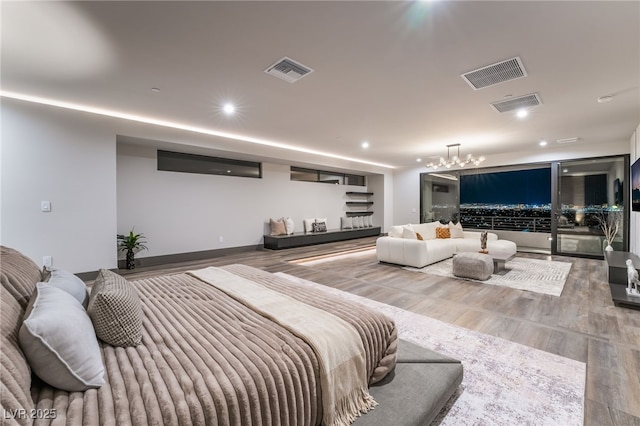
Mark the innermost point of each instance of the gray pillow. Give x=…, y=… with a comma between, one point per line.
x=70, y=283
x=115, y=309
x=59, y=342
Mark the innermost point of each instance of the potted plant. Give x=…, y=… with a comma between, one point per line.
x=610, y=223
x=131, y=243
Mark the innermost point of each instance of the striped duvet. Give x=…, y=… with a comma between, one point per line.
x=205, y=359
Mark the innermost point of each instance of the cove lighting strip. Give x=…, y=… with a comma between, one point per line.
x=178, y=126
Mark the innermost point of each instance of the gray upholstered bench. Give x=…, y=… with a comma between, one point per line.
x=416, y=391
x=477, y=266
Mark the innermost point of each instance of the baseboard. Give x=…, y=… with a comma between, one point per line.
x=143, y=262
x=167, y=259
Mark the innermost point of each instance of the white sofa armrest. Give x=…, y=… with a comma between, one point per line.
x=402, y=251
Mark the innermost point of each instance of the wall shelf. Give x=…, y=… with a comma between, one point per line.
x=359, y=193
x=359, y=202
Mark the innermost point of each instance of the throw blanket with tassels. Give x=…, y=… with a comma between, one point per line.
x=336, y=343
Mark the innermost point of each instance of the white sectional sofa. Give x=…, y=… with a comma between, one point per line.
x=402, y=245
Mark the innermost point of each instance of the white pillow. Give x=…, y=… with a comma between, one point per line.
x=456, y=230
x=289, y=225
x=322, y=219
x=346, y=223
x=59, y=342
x=395, y=232
x=370, y=221
x=71, y=284
x=408, y=233
x=308, y=224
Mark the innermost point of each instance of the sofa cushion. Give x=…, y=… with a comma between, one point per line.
x=115, y=309
x=59, y=341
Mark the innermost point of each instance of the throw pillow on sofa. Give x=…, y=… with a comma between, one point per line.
x=427, y=230
x=289, y=225
x=319, y=227
x=395, y=232
x=277, y=227
x=59, y=342
x=409, y=233
x=456, y=230
x=346, y=223
x=443, y=232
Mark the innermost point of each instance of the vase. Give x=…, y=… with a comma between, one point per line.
x=130, y=260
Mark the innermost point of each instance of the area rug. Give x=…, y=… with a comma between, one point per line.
x=504, y=383
x=522, y=273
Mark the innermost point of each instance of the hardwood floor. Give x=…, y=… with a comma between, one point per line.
x=581, y=324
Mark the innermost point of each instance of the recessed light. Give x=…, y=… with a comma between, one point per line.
x=522, y=113
x=543, y=142
x=229, y=109
x=418, y=160
x=155, y=89
x=365, y=145
x=565, y=170
x=604, y=99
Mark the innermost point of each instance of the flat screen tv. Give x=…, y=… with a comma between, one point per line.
x=635, y=186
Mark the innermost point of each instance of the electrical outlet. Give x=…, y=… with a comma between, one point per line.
x=47, y=261
x=221, y=239
x=45, y=206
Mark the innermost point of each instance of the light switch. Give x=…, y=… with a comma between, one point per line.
x=45, y=206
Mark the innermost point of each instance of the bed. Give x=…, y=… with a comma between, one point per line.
x=205, y=357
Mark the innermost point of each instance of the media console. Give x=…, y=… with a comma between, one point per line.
x=617, y=272
x=299, y=239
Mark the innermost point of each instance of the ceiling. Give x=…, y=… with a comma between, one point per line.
x=383, y=72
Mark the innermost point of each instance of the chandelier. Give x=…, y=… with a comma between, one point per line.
x=455, y=160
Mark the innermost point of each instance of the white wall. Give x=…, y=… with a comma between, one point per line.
x=68, y=159
x=634, y=225
x=185, y=212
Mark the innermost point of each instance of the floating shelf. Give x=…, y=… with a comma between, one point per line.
x=359, y=193
x=361, y=204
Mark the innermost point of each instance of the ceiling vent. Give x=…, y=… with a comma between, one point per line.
x=512, y=104
x=288, y=70
x=511, y=69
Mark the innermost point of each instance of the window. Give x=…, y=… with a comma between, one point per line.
x=202, y=164
x=311, y=175
x=517, y=200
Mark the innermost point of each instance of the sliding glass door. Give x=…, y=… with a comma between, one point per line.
x=590, y=192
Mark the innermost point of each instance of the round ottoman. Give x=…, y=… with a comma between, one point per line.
x=477, y=266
